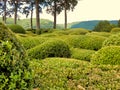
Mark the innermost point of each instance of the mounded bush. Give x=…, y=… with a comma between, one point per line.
x=112, y=40
x=30, y=42
x=52, y=48
x=107, y=55
x=78, y=31
x=71, y=74
x=104, y=34
x=91, y=42
x=81, y=54
x=14, y=67
x=115, y=30
x=16, y=28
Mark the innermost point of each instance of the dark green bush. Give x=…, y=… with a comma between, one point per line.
x=112, y=40
x=104, y=26
x=52, y=48
x=81, y=54
x=115, y=30
x=16, y=28
x=92, y=42
x=14, y=67
x=107, y=55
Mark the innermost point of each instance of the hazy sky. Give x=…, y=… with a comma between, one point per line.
x=90, y=10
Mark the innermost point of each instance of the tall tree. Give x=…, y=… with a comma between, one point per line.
x=29, y=10
x=68, y=5
x=119, y=23
x=16, y=7
x=55, y=9
x=37, y=16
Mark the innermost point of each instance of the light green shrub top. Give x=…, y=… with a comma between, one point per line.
x=91, y=42
x=16, y=28
x=115, y=30
x=107, y=55
x=112, y=40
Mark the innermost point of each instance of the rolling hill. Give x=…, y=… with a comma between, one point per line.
x=89, y=24
x=45, y=23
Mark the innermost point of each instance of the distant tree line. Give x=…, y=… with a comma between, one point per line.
x=105, y=26
x=54, y=7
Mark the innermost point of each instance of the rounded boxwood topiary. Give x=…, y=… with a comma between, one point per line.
x=81, y=54
x=52, y=48
x=16, y=28
x=91, y=42
x=112, y=40
x=14, y=67
x=115, y=30
x=107, y=55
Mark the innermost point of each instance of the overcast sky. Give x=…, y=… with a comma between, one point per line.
x=90, y=10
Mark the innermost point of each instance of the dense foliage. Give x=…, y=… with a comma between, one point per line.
x=81, y=54
x=16, y=28
x=91, y=42
x=115, y=30
x=30, y=42
x=112, y=40
x=103, y=26
x=107, y=55
x=71, y=74
x=52, y=48
x=14, y=67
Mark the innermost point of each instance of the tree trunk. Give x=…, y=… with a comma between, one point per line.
x=65, y=16
x=15, y=15
x=4, y=17
x=37, y=17
x=55, y=18
x=31, y=22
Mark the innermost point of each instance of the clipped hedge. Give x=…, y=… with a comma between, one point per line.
x=30, y=42
x=52, y=48
x=112, y=40
x=91, y=42
x=71, y=74
x=107, y=55
x=81, y=54
x=104, y=34
x=78, y=31
x=14, y=67
x=16, y=28
x=115, y=30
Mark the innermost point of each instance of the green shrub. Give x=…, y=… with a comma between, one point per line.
x=77, y=31
x=52, y=48
x=15, y=72
x=85, y=42
x=104, y=34
x=115, y=30
x=70, y=74
x=112, y=40
x=16, y=28
x=81, y=54
x=107, y=55
x=30, y=42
